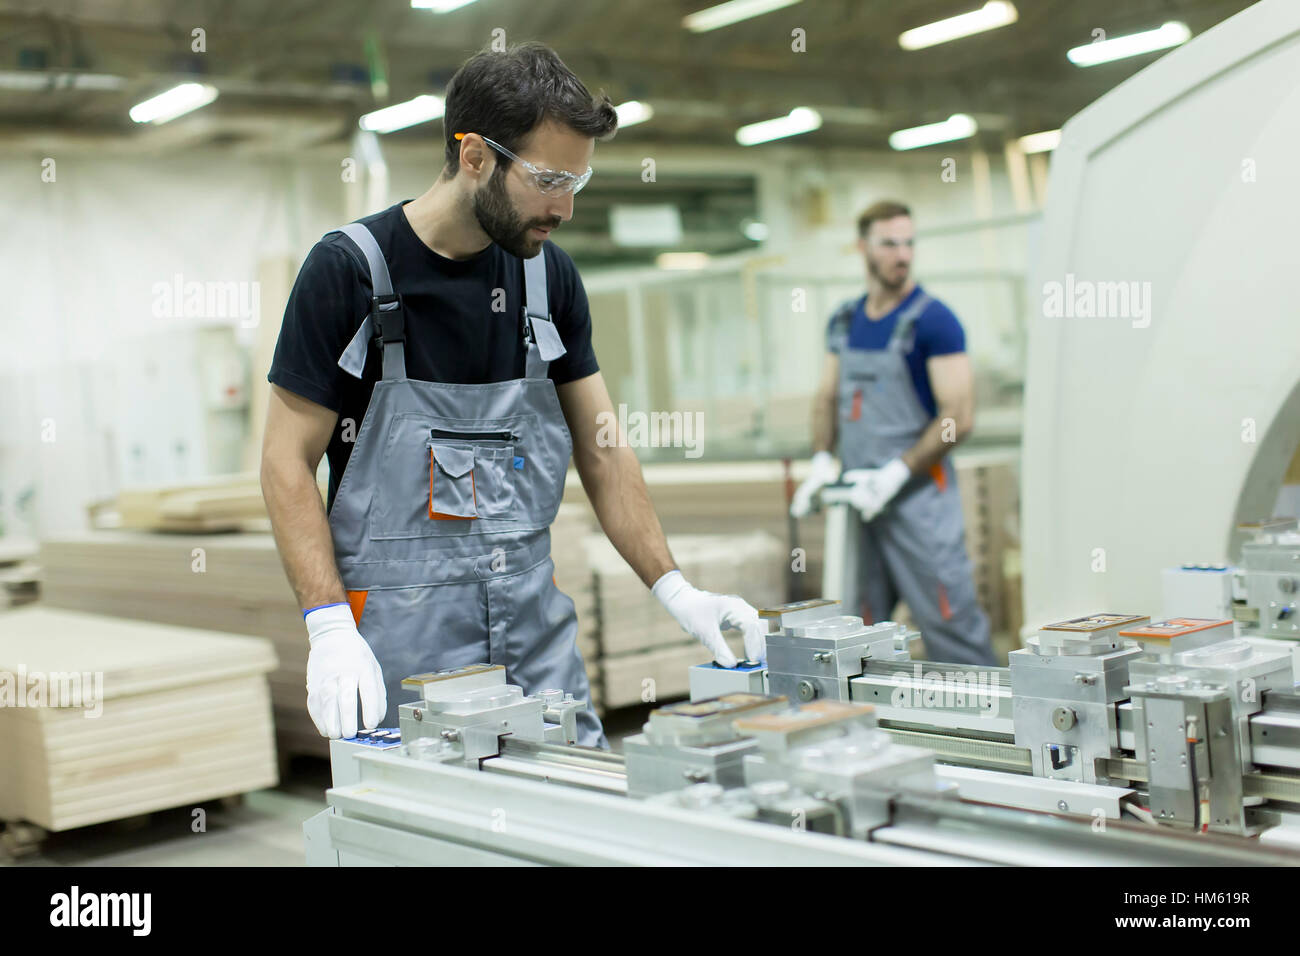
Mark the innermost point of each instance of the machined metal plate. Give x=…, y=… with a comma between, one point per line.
x=736, y=703
x=1094, y=623
x=819, y=713
x=418, y=681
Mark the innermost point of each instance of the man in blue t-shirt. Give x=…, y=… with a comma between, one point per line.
x=897, y=394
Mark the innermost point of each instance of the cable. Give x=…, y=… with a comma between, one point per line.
x=1142, y=813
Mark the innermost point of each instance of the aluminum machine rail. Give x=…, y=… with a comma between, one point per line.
x=1109, y=740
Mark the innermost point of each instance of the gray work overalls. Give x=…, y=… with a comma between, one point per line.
x=441, y=522
x=916, y=547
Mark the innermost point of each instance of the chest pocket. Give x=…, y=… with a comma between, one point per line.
x=444, y=477
x=471, y=475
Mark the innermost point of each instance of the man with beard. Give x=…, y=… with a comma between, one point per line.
x=897, y=395
x=439, y=353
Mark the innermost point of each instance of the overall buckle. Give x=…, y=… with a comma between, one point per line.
x=388, y=318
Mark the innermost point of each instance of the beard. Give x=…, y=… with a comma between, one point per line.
x=498, y=217
x=888, y=281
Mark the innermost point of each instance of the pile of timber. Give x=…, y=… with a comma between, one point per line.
x=102, y=718
x=229, y=582
x=223, y=503
x=20, y=575
x=643, y=652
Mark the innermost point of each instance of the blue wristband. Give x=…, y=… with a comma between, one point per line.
x=319, y=606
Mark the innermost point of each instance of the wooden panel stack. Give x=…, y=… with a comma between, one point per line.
x=990, y=492
x=224, y=503
x=639, y=641
x=231, y=582
x=19, y=573
x=103, y=718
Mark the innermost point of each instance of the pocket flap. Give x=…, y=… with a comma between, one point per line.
x=454, y=461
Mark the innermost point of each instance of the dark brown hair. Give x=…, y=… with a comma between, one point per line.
x=884, y=209
x=506, y=95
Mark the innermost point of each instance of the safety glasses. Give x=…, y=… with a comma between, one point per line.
x=549, y=182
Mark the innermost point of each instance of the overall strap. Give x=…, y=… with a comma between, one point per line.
x=386, y=322
x=902, y=337
x=837, y=333
x=541, y=338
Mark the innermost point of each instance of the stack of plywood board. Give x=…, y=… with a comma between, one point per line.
x=231, y=582
x=990, y=492
x=643, y=650
x=19, y=574
x=103, y=718
x=224, y=503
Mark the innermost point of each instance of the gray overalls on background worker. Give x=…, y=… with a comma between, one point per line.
x=442, y=519
x=905, y=536
x=916, y=547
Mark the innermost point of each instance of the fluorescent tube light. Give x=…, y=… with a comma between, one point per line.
x=801, y=119
x=177, y=101
x=439, y=6
x=1103, y=51
x=422, y=109
x=994, y=14
x=957, y=126
x=633, y=112
x=725, y=14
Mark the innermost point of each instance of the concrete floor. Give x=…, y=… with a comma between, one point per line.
x=264, y=828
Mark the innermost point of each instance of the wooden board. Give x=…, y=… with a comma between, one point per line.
x=222, y=503
x=632, y=619
x=176, y=716
x=231, y=582
x=663, y=673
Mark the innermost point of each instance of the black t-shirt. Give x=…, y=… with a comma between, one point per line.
x=453, y=333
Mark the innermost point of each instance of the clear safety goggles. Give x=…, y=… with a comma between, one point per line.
x=893, y=243
x=549, y=182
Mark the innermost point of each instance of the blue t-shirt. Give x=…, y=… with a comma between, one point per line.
x=937, y=333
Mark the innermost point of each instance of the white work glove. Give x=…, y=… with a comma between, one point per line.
x=824, y=471
x=341, y=666
x=873, y=488
x=703, y=614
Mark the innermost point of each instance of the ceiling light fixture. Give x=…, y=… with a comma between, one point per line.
x=725, y=14
x=957, y=126
x=994, y=14
x=801, y=119
x=1169, y=34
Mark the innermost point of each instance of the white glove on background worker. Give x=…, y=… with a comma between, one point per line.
x=341, y=665
x=873, y=488
x=824, y=471
x=703, y=614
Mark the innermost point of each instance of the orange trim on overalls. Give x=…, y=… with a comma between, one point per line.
x=855, y=413
x=945, y=610
x=939, y=475
x=357, y=601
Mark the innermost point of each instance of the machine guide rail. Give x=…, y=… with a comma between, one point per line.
x=842, y=749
